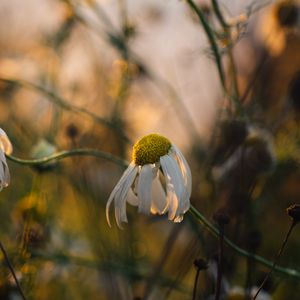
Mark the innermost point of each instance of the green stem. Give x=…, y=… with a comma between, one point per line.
x=211, y=39
x=257, y=258
x=64, y=154
x=218, y=13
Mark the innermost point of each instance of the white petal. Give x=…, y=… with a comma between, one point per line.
x=116, y=189
x=144, y=189
x=185, y=170
x=159, y=202
x=121, y=195
x=4, y=171
x=171, y=168
x=178, y=218
x=132, y=199
x=172, y=201
x=5, y=142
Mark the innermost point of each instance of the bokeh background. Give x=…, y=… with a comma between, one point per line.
x=101, y=74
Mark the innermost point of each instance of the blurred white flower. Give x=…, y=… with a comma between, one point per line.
x=154, y=158
x=5, y=148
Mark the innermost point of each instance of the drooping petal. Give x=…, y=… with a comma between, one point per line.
x=144, y=188
x=116, y=189
x=159, y=204
x=132, y=199
x=174, y=184
x=4, y=171
x=187, y=177
x=121, y=195
x=171, y=168
x=5, y=143
x=172, y=202
x=178, y=218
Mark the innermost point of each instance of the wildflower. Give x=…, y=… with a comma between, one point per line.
x=5, y=148
x=153, y=157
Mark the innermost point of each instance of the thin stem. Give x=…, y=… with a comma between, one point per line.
x=196, y=284
x=211, y=39
x=276, y=258
x=248, y=282
x=213, y=230
x=218, y=13
x=233, y=71
x=220, y=262
x=12, y=271
x=64, y=154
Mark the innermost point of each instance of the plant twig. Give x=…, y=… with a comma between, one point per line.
x=12, y=271
x=276, y=259
x=257, y=258
x=211, y=38
x=64, y=154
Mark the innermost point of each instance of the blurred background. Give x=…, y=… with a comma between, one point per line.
x=101, y=74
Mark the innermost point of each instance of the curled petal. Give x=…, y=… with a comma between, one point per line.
x=121, y=195
x=117, y=188
x=4, y=172
x=5, y=143
x=172, y=171
x=186, y=174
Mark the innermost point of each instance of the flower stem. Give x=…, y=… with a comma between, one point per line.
x=257, y=258
x=220, y=261
x=64, y=154
x=218, y=13
x=211, y=39
x=276, y=258
x=11, y=268
x=196, y=284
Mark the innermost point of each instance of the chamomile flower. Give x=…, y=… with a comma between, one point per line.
x=154, y=158
x=5, y=148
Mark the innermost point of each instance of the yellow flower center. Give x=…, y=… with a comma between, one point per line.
x=150, y=148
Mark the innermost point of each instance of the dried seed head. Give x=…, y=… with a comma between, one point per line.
x=232, y=134
x=294, y=212
x=200, y=264
x=287, y=14
x=72, y=131
x=259, y=153
x=221, y=217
